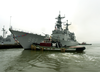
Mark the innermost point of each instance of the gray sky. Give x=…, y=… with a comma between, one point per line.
x=39, y=16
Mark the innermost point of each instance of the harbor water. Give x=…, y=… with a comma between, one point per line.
x=20, y=60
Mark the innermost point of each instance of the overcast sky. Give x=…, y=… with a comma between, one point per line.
x=39, y=16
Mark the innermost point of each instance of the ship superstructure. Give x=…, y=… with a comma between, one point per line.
x=63, y=35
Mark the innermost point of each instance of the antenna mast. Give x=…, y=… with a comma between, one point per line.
x=10, y=21
x=59, y=22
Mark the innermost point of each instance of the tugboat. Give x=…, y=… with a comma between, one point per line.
x=55, y=45
x=60, y=39
x=84, y=43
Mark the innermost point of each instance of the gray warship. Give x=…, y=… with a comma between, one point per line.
x=64, y=36
x=6, y=40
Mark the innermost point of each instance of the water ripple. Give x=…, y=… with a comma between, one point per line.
x=38, y=61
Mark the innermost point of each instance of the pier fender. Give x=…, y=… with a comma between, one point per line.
x=41, y=48
x=62, y=49
x=53, y=48
x=32, y=47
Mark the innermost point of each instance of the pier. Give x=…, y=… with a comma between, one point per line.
x=8, y=46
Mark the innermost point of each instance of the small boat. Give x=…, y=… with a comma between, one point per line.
x=84, y=43
x=54, y=45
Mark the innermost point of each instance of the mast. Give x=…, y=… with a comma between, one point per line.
x=10, y=21
x=59, y=22
x=67, y=25
x=4, y=32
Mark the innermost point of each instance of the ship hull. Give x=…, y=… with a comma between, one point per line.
x=74, y=49
x=27, y=39
x=62, y=49
x=7, y=43
x=69, y=43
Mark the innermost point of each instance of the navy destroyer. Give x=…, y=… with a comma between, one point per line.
x=6, y=40
x=64, y=36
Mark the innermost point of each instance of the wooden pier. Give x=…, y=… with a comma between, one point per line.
x=8, y=46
